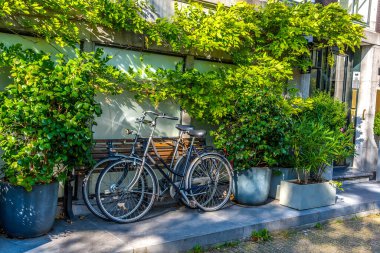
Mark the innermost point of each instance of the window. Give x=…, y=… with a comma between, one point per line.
x=362, y=7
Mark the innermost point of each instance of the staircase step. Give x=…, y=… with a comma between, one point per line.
x=349, y=175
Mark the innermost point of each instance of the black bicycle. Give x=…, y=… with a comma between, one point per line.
x=126, y=190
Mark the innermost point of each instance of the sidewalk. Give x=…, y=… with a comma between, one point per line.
x=179, y=229
x=355, y=235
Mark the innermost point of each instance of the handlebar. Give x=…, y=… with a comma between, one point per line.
x=167, y=117
x=153, y=122
x=151, y=112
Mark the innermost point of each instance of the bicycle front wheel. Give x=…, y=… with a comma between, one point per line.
x=120, y=202
x=89, y=183
x=209, y=181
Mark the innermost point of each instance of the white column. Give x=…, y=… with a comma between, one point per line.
x=365, y=146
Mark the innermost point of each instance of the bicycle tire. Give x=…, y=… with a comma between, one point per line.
x=180, y=169
x=209, y=181
x=89, y=184
x=118, y=204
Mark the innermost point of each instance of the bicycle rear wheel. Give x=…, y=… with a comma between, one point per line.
x=209, y=181
x=89, y=184
x=180, y=169
x=114, y=198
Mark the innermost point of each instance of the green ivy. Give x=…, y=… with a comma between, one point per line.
x=244, y=31
x=62, y=21
x=211, y=95
x=247, y=32
x=46, y=113
x=265, y=45
x=376, y=126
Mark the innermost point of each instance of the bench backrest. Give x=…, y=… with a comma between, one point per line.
x=164, y=146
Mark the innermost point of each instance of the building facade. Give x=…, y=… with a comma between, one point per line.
x=354, y=79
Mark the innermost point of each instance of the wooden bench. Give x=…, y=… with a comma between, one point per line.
x=164, y=146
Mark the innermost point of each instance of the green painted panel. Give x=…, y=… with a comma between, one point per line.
x=120, y=112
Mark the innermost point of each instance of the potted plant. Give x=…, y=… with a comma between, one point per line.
x=318, y=137
x=46, y=115
x=254, y=138
x=280, y=174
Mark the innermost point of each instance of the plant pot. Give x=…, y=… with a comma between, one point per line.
x=307, y=196
x=278, y=175
x=252, y=186
x=26, y=214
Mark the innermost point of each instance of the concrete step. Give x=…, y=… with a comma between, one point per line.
x=349, y=175
x=170, y=230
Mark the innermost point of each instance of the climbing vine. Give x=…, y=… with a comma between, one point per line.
x=46, y=113
x=264, y=45
x=63, y=21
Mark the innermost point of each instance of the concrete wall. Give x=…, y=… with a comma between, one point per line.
x=120, y=112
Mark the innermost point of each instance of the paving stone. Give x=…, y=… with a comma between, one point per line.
x=353, y=235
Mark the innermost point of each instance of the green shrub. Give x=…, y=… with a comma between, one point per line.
x=254, y=135
x=46, y=113
x=319, y=135
x=376, y=125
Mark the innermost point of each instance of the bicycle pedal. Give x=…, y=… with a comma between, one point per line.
x=192, y=204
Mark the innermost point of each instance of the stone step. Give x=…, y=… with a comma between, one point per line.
x=349, y=175
x=171, y=230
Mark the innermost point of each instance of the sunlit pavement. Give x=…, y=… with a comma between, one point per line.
x=177, y=229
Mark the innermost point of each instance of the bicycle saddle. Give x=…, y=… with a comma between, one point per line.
x=184, y=127
x=197, y=133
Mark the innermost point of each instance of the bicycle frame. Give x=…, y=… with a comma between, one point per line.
x=150, y=143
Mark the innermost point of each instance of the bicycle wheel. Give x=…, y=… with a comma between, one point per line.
x=89, y=184
x=209, y=181
x=114, y=198
x=180, y=169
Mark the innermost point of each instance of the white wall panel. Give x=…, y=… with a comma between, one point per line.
x=120, y=111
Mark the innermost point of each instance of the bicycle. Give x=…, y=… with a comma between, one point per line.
x=88, y=189
x=205, y=181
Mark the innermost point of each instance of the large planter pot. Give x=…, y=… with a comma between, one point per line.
x=26, y=214
x=307, y=196
x=278, y=175
x=252, y=186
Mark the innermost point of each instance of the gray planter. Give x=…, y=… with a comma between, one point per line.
x=252, y=186
x=278, y=175
x=307, y=196
x=26, y=214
